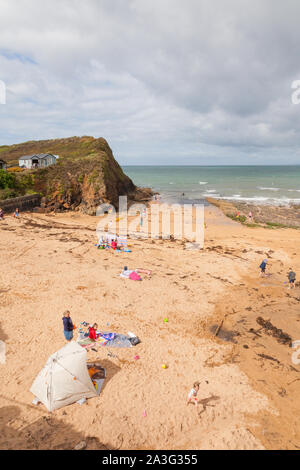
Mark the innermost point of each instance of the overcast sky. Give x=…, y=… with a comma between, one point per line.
x=164, y=81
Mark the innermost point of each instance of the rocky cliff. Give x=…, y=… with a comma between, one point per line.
x=85, y=176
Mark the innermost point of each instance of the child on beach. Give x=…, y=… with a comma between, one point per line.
x=263, y=267
x=292, y=278
x=192, y=396
x=16, y=213
x=93, y=332
x=114, y=244
x=68, y=326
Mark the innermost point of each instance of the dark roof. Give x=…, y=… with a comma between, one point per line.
x=39, y=156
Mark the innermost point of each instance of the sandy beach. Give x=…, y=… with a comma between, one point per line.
x=249, y=385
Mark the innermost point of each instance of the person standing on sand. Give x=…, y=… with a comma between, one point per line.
x=68, y=326
x=263, y=267
x=292, y=278
x=1, y=214
x=192, y=396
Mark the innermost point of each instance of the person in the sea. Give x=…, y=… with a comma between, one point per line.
x=93, y=332
x=68, y=326
x=292, y=278
x=192, y=396
x=263, y=267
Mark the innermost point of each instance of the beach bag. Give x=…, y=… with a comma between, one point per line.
x=134, y=276
x=134, y=341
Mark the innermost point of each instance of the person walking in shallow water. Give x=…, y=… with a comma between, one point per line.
x=68, y=326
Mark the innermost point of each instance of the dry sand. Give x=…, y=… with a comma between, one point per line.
x=249, y=384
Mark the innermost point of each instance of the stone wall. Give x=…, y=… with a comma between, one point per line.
x=24, y=203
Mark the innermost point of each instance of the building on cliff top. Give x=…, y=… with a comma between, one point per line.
x=38, y=161
x=3, y=165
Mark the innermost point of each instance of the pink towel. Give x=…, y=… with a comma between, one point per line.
x=134, y=276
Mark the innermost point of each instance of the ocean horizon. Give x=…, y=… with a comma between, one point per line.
x=257, y=184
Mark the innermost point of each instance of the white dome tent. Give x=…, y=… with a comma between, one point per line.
x=64, y=379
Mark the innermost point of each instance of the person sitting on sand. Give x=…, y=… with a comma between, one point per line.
x=192, y=396
x=292, y=278
x=68, y=326
x=1, y=214
x=93, y=332
x=263, y=267
x=101, y=244
x=16, y=213
x=114, y=244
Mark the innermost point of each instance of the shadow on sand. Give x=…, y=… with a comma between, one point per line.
x=45, y=433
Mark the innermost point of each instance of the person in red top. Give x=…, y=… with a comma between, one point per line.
x=114, y=245
x=93, y=334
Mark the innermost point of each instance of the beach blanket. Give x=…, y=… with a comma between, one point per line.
x=108, y=339
x=119, y=341
x=87, y=343
x=117, y=250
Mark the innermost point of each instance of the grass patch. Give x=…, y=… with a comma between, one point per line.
x=278, y=225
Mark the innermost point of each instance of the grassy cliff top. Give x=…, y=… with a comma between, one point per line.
x=68, y=148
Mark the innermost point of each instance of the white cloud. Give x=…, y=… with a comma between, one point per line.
x=162, y=81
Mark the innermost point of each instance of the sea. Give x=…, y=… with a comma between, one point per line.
x=273, y=185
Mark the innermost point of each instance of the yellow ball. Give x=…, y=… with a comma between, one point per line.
x=164, y=366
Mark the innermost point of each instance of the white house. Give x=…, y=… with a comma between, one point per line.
x=38, y=161
x=3, y=165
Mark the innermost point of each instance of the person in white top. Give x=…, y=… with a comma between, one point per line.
x=192, y=396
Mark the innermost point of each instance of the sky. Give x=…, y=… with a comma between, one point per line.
x=201, y=82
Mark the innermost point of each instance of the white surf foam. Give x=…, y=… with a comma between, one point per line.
x=215, y=195
x=284, y=201
x=262, y=188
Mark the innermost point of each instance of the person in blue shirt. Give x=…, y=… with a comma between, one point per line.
x=68, y=326
x=292, y=278
x=263, y=267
